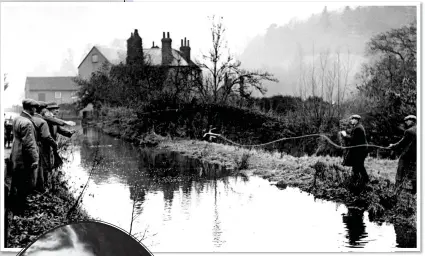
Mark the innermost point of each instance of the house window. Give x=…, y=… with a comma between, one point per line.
x=94, y=58
x=42, y=97
x=74, y=95
x=58, y=95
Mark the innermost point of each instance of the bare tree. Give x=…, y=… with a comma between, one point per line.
x=134, y=214
x=140, y=236
x=182, y=81
x=224, y=75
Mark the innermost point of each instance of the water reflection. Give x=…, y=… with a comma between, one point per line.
x=356, y=228
x=406, y=236
x=217, y=223
x=179, y=197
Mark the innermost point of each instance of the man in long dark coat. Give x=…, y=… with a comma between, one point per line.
x=406, y=168
x=24, y=156
x=55, y=127
x=45, y=142
x=357, y=155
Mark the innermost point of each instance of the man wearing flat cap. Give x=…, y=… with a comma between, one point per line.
x=56, y=127
x=50, y=118
x=357, y=155
x=406, y=168
x=44, y=142
x=24, y=156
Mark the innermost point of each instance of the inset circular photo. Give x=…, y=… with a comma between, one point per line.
x=87, y=238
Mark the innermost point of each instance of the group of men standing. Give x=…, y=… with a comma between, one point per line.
x=33, y=150
x=356, y=156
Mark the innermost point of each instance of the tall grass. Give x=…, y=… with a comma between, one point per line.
x=242, y=162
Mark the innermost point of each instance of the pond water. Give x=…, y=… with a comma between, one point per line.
x=207, y=210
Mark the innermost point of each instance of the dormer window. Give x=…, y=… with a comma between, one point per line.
x=94, y=58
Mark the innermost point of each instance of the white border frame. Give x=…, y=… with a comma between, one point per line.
x=365, y=3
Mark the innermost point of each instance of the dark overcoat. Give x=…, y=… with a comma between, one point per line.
x=45, y=142
x=407, y=145
x=24, y=149
x=407, y=162
x=24, y=154
x=55, y=127
x=357, y=154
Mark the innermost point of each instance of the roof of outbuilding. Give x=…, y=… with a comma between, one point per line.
x=57, y=83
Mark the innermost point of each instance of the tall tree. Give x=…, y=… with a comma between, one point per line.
x=388, y=82
x=224, y=75
x=325, y=19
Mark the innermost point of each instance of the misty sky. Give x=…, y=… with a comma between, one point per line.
x=36, y=37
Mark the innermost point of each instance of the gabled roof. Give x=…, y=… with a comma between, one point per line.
x=57, y=83
x=112, y=55
x=152, y=55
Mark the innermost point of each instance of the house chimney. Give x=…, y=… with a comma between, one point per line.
x=167, y=56
x=130, y=49
x=138, y=47
x=185, y=50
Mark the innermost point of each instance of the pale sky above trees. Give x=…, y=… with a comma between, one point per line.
x=38, y=39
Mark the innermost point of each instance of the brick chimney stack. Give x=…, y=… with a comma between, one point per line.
x=134, y=48
x=166, y=50
x=185, y=49
x=130, y=48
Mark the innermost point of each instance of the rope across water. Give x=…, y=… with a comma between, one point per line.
x=296, y=137
x=288, y=138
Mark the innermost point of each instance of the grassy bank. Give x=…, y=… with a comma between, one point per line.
x=44, y=212
x=322, y=176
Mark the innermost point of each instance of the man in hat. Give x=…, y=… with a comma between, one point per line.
x=50, y=118
x=357, y=155
x=45, y=142
x=406, y=168
x=56, y=126
x=24, y=156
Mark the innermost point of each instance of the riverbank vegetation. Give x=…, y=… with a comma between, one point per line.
x=183, y=101
x=44, y=212
x=174, y=107
x=322, y=176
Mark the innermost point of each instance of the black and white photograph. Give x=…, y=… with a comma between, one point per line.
x=212, y=126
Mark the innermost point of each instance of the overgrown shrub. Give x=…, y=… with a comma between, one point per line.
x=242, y=162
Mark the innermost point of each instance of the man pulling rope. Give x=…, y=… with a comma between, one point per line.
x=357, y=149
